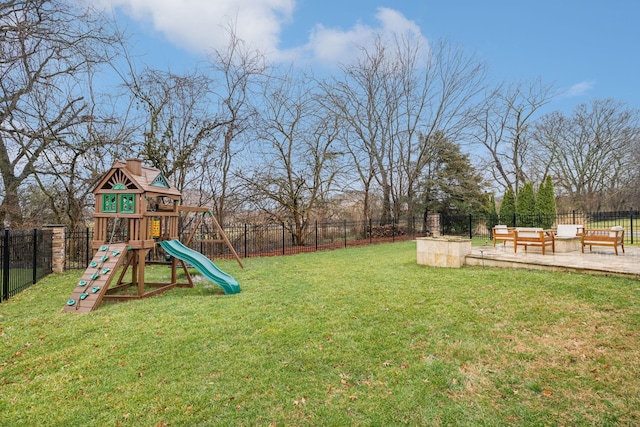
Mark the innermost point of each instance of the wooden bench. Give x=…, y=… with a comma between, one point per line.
x=502, y=233
x=613, y=236
x=533, y=237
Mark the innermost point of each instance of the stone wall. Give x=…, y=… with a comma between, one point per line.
x=442, y=252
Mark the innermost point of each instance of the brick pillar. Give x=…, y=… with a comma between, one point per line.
x=57, y=246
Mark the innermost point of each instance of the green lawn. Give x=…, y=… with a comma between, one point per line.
x=624, y=222
x=357, y=336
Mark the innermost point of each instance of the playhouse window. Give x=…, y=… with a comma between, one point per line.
x=127, y=203
x=109, y=203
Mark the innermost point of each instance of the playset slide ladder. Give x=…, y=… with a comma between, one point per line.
x=203, y=264
x=89, y=291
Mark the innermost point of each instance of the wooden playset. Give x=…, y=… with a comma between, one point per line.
x=136, y=209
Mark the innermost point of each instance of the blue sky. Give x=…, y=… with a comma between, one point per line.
x=587, y=49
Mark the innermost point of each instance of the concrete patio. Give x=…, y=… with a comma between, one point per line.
x=599, y=261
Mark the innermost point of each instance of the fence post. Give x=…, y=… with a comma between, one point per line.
x=34, y=253
x=413, y=226
x=283, y=238
x=245, y=239
x=470, y=226
x=631, y=223
x=345, y=232
x=87, y=247
x=5, y=267
x=490, y=224
x=316, y=235
x=393, y=229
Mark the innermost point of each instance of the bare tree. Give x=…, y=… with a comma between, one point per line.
x=592, y=153
x=67, y=172
x=391, y=97
x=237, y=71
x=66, y=175
x=436, y=103
x=178, y=123
x=367, y=100
x=48, y=47
x=504, y=123
x=298, y=161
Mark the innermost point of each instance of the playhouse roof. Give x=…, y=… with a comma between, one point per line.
x=136, y=178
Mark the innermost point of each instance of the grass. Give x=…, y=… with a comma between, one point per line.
x=358, y=336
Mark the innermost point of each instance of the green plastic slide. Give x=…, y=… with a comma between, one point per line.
x=203, y=264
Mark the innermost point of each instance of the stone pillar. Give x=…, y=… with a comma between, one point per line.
x=433, y=222
x=58, y=250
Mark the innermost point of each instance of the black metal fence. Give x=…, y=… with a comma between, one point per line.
x=479, y=226
x=252, y=240
x=272, y=239
x=78, y=252
x=25, y=258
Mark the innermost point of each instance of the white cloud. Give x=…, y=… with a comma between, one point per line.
x=394, y=22
x=578, y=89
x=332, y=46
x=201, y=25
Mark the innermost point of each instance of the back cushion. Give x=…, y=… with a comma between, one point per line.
x=568, y=230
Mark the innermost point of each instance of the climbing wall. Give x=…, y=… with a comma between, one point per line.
x=93, y=285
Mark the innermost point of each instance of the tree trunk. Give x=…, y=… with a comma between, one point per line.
x=10, y=211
